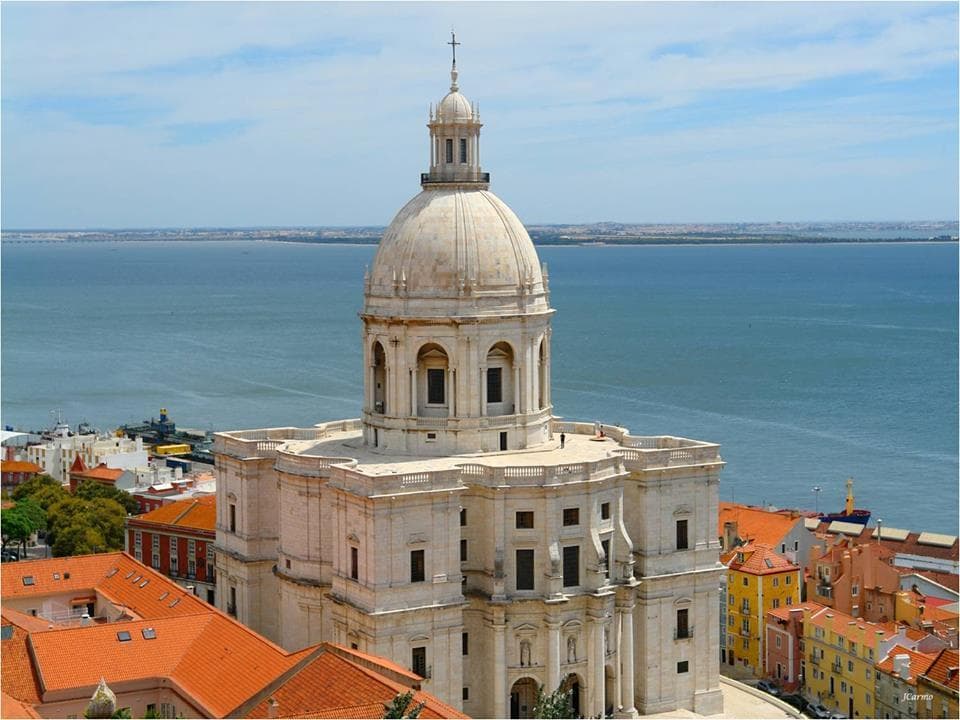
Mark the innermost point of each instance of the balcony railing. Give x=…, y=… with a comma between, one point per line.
x=231, y=610
x=837, y=667
x=683, y=633
x=425, y=179
x=815, y=659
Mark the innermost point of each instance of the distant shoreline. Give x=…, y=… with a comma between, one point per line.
x=539, y=242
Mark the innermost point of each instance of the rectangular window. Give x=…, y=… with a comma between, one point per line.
x=191, y=568
x=173, y=546
x=463, y=550
x=605, y=511
x=463, y=517
x=155, y=562
x=683, y=623
x=571, y=516
x=571, y=566
x=778, y=640
x=232, y=605
x=466, y=693
x=435, y=389
x=354, y=563
x=783, y=548
x=417, y=570
x=525, y=520
x=776, y=603
x=789, y=600
x=174, y=564
x=138, y=539
x=730, y=599
x=776, y=582
x=419, y=657
x=745, y=644
x=788, y=579
x=494, y=385
x=464, y=643
x=683, y=666
x=463, y=150
x=233, y=518
x=448, y=147
x=156, y=543
x=855, y=590
x=729, y=620
x=605, y=544
x=682, y=543
x=525, y=569
x=191, y=547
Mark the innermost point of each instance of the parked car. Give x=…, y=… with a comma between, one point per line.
x=9, y=556
x=794, y=700
x=768, y=686
x=817, y=710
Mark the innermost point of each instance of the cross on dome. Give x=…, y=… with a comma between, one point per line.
x=453, y=68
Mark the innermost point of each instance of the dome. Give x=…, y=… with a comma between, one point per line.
x=458, y=244
x=454, y=108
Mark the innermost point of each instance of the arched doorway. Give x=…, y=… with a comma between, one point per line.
x=523, y=697
x=572, y=683
x=431, y=393
x=379, y=379
x=500, y=390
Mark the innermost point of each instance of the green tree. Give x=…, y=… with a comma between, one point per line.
x=400, y=706
x=21, y=521
x=78, y=526
x=553, y=705
x=40, y=486
x=90, y=490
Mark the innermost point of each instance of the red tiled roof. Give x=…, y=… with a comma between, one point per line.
x=909, y=546
x=13, y=708
x=78, y=465
x=783, y=613
x=376, y=660
x=197, y=513
x=100, y=472
x=19, y=466
x=943, y=670
x=761, y=560
x=843, y=625
x=756, y=524
x=919, y=662
x=332, y=686
x=217, y=664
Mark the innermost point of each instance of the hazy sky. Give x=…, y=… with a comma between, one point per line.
x=186, y=114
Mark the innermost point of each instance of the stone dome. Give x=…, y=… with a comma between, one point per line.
x=455, y=250
x=454, y=108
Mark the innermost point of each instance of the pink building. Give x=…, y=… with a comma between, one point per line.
x=856, y=579
x=784, y=644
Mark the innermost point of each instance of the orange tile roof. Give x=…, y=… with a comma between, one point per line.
x=100, y=472
x=843, y=625
x=362, y=658
x=19, y=466
x=919, y=662
x=332, y=686
x=78, y=465
x=761, y=560
x=783, y=613
x=13, y=708
x=17, y=676
x=197, y=513
x=757, y=525
x=221, y=667
x=943, y=670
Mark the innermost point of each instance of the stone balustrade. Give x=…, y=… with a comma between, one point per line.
x=640, y=459
x=309, y=465
x=265, y=442
x=359, y=483
x=539, y=475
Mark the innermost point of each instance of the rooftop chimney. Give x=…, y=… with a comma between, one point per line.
x=85, y=619
x=273, y=708
x=901, y=666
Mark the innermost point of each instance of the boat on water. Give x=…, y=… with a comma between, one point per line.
x=850, y=514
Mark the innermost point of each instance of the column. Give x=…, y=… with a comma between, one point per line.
x=553, y=655
x=499, y=666
x=370, y=394
x=516, y=389
x=626, y=661
x=535, y=375
x=483, y=391
x=452, y=386
x=413, y=391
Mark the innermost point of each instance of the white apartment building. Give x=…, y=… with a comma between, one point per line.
x=57, y=455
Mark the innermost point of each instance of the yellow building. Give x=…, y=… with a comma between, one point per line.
x=758, y=579
x=841, y=652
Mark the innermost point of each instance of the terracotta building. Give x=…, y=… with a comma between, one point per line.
x=177, y=540
x=784, y=646
x=938, y=687
x=79, y=472
x=14, y=472
x=857, y=579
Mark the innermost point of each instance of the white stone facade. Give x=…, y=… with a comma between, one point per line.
x=458, y=528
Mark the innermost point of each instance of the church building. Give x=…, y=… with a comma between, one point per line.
x=458, y=527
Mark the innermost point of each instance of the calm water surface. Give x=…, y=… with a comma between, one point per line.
x=808, y=363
